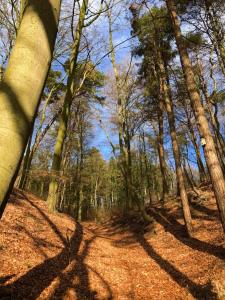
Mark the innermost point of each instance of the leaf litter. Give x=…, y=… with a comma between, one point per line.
x=47, y=255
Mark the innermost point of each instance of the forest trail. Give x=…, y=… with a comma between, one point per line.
x=49, y=256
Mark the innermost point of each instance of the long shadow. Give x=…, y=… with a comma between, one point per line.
x=46, y=218
x=52, y=225
x=79, y=272
x=178, y=231
x=6, y=278
x=104, y=282
x=197, y=216
x=205, y=210
x=40, y=243
x=35, y=281
x=31, y=284
x=198, y=291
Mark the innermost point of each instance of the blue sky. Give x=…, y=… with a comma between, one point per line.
x=121, y=33
x=122, y=30
x=97, y=34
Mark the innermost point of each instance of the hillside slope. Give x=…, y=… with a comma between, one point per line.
x=49, y=256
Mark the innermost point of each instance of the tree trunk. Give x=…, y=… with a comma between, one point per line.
x=217, y=34
x=120, y=113
x=218, y=138
x=28, y=159
x=202, y=172
x=24, y=172
x=147, y=168
x=124, y=139
x=161, y=150
x=95, y=191
x=21, y=89
x=212, y=160
x=61, y=135
x=176, y=150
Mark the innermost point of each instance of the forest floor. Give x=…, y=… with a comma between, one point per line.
x=49, y=256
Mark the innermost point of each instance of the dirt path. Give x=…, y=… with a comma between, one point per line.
x=116, y=260
x=132, y=266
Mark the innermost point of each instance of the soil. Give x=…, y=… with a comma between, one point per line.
x=49, y=256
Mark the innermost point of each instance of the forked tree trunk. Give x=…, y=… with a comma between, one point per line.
x=124, y=137
x=211, y=157
x=21, y=88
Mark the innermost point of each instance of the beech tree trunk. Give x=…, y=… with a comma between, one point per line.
x=211, y=157
x=21, y=88
x=124, y=139
x=61, y=135
x=23, y=177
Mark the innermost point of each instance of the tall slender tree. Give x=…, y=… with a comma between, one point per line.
x=212, y=160
x=70, y=93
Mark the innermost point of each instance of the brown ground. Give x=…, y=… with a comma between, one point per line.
x=48, y=256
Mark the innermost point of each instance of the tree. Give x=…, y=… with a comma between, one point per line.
x=52, y=93
x=212, y=160
x=74, y=84
x=123, y=96
x=158, y=52
x=21, y=89
x=70, y=92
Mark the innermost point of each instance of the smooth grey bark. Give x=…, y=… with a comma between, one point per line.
x=22, y=85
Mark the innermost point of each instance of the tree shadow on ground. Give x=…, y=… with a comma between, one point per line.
x=31, y=284
x=200, y=292
x=20, y=195
x=6, y=278
x=178, y=230
x=205, y=210
x=66, y=271
x=77, y=279
x=49, y=221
